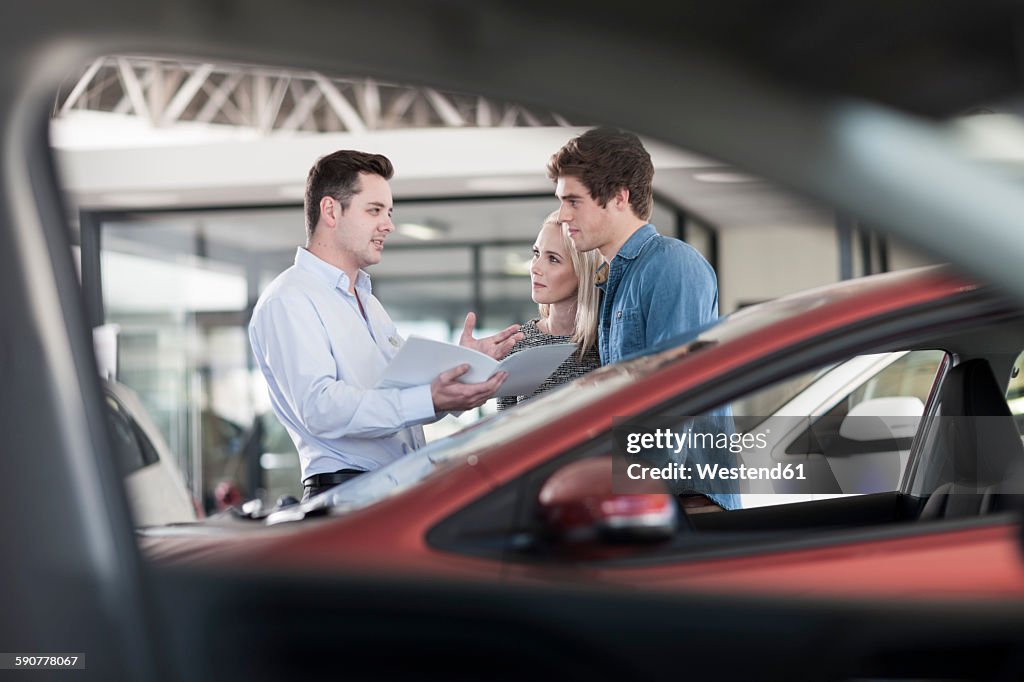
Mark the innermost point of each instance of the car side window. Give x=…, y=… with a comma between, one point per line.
x=910, y=377
x=768, y=401
x=851, y=426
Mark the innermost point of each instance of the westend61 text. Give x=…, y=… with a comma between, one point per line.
x=716, y=472
x=667, y=439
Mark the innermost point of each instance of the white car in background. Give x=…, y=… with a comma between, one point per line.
x=156, y=489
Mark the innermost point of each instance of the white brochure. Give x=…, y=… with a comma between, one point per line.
x=420, y=360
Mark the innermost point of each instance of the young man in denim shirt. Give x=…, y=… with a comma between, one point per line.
x=655, y=287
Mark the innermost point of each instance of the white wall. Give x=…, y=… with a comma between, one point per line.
x=764, y=262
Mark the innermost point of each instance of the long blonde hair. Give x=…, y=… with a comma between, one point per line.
x=585, y=265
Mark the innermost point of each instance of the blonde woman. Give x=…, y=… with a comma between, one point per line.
x=563, y=286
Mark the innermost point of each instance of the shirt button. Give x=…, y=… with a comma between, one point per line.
x=618, y=315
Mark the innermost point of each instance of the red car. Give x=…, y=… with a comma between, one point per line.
x=528, y=495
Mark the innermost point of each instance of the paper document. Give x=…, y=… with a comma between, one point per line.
x=420, y=360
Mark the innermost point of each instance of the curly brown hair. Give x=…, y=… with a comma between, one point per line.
x=337, y=175
x=606, y=160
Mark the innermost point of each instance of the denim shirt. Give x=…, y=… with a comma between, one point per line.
x=658, y=288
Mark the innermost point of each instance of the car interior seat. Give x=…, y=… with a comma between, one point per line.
x=981, y=454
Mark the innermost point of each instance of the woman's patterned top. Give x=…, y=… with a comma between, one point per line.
x=571, y=369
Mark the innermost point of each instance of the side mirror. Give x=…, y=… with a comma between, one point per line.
x=578, y=505
x=883, y=419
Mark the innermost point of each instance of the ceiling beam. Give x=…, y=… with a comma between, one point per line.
x=346, y=112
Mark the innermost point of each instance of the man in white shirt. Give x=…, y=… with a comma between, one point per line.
x=321, y=338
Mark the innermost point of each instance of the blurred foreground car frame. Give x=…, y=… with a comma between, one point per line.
x=72, y=577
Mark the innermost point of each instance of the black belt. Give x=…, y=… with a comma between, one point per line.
x=323, y=480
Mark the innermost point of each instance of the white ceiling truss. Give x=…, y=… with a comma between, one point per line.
x=165, y=92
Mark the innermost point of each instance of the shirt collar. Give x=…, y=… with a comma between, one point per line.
x=637, y=241
x=630, y=250
x=331, y=276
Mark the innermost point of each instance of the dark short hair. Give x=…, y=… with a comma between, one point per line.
x=337, y=175
x=605, y=160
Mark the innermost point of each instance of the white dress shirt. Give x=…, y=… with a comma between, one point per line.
x=321, y=359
